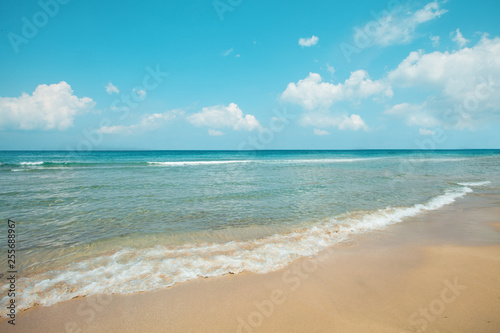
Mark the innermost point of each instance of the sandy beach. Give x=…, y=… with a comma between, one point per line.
x=438, y=272
x=249, y=166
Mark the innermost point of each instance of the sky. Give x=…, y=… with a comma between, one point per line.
x=239, y=74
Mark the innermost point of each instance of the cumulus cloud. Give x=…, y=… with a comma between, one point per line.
x=397, y=27
x=320, y=132
x=464, y=81
x=221, y=116
x=311, y=93
x=111, y=89
x=213, y=132
x=49, y=107
x=307, y=42
x=149, y=122
x=353, y=122
x=458, y=38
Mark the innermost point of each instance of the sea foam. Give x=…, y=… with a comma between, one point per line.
x=181, y=163
x=31, y=163
x=475, y=183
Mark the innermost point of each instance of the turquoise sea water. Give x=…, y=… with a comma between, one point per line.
x=120, y=222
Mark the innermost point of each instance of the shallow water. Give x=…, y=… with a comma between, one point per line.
x=119, y=222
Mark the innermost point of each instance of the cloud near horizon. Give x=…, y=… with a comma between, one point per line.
x=354, y=122
x=312, y=93
x=213, y=132
x=320, y=132
x=317, y=97
x=220, y=116
x=463, y=85
x=149, y=122
x=49, y=107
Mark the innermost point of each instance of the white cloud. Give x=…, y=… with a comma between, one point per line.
x=141, y=93
x=463, y=86
x=221, y=116
x=458, y=38
x=330, y=69
x=306, y=42
x=435, y=41
x=397, y=27
x=353, y=122
x=465, y=81
x=311, y=93
x=437, y=113
x=429, y=12
x=148, y=123
x=320, y=132
x=415, y=115
x=425, y=131
x=49, y=107
x=456, y=74
x=213, y=132
x=111, y=89
x=227, y=52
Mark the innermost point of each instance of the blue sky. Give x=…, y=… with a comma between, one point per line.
x=239, y=74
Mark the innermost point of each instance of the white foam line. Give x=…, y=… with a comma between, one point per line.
x=298, y=161
x=31, y=163
x=475, y=183
x=330, y=160
x=133, y=270
x=422, y=160
x=179, y=163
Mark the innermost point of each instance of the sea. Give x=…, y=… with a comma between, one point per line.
x=118, y=222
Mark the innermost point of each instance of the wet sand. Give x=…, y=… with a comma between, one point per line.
x=438, y=272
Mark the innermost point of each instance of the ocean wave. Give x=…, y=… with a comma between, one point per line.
x=134, y=270
x=40, y=163
x=68, y=164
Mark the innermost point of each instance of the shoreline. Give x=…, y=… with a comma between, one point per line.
x=378, y=281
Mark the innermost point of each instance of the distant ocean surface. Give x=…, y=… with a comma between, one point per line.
x=122, y=222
